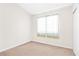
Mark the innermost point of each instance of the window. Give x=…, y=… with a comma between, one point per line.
x=48, y=26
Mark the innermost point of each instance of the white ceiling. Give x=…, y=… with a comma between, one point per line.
x=41, y=7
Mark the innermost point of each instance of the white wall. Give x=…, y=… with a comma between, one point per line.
x=65, y=28
x=76, y=30
x=15, y=26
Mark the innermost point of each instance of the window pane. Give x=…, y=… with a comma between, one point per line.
x=52, y=25
x=41, y=25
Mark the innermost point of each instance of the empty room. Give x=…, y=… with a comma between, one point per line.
x=39, y=29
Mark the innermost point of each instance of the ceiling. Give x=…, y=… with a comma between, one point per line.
x=42, y=7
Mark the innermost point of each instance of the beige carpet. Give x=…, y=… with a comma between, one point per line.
x=37, y=49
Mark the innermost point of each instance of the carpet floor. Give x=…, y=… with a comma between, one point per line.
x=37, y=49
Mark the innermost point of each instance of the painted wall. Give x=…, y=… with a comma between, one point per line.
x=65, y=28
x=76, y=30
x=15, y=26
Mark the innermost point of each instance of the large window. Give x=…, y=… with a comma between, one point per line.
x=48, y=26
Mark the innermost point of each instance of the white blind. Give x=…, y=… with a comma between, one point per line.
x=41, y=25
x=47, y=25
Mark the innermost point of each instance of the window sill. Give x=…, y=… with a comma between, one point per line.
x=55, y=37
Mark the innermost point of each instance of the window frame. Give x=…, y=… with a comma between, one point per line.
x=37, y=34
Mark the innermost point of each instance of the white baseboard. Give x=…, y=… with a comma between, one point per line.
x=19, y=43
x=52, y=44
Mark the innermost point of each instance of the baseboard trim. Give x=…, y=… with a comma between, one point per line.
x=52, y=45
x=19, y=44
x=22, y=43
